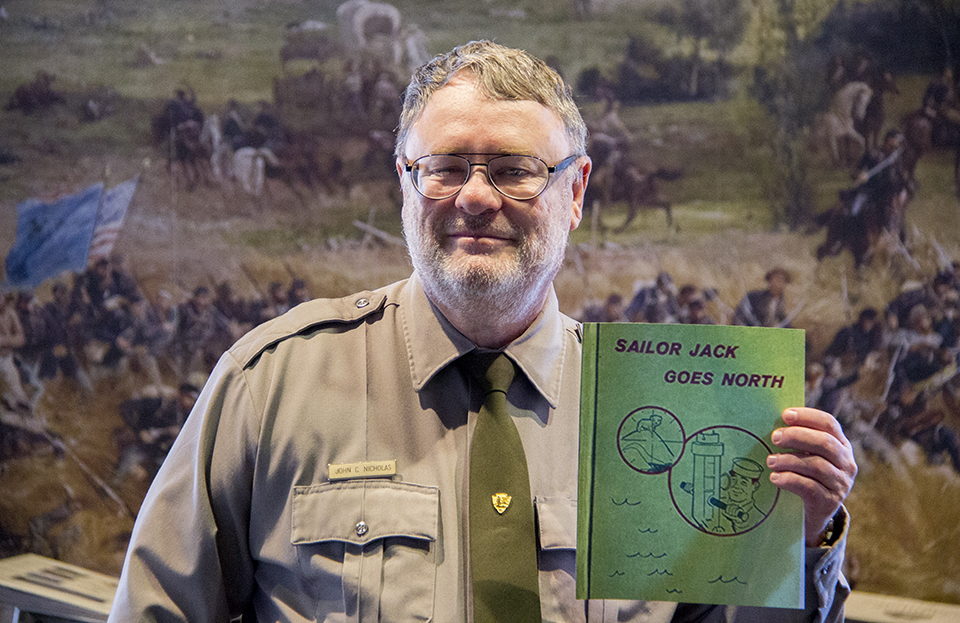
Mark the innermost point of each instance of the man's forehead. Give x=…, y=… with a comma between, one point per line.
x=464, y=95
x=461, y=117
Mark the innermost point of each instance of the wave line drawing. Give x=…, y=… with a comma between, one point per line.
x=730, y=581
x=627, y=502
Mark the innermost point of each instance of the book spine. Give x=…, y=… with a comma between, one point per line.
x=588, y=423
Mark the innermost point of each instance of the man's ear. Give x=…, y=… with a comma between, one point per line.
x=584, y=165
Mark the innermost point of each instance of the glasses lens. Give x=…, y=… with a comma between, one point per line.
x=518, y=177
x=439, y=177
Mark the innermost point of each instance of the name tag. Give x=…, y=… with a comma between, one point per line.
x=364, y=469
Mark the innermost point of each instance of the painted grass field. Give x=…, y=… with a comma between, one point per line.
x=905, y=536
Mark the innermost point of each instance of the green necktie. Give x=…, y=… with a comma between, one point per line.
x=503, y=540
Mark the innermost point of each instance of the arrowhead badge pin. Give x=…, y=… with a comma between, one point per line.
x=501, y=501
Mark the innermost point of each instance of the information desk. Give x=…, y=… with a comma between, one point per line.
x=48, y=587
x=872, y=608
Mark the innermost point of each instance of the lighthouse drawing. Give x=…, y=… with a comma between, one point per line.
x=707, y=451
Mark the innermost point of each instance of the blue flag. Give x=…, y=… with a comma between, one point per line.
x=52, y=237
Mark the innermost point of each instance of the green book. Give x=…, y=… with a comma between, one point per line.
x=675, y=499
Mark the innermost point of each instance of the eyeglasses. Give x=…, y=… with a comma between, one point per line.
x=441, y=176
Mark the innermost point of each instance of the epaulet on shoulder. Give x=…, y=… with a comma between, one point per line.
x=306, y=316
x=571, y=325
x=578, y=331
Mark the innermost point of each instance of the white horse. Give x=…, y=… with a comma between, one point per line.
x=836, y=126
x=221, y=154
x=250, y=167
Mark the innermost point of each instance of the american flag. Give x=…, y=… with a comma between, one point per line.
x=113, y=208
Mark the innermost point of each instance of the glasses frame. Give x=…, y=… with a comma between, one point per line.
x=551, y=170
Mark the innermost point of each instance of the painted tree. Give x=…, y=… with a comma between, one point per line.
x=945, y=16
x=719, y=24
x=785, y=82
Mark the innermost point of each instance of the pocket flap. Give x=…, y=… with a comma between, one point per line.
x=334, y=512
x=557, y=522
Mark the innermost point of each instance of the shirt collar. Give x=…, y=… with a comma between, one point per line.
x=433, y=343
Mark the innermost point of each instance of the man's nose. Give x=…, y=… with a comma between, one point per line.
x=478, y=194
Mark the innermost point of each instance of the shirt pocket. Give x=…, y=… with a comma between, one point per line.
x=557, y=531
x=378, y=538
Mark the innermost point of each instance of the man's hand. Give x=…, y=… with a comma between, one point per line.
x=820, y=467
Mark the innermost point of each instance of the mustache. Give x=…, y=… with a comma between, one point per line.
x=480, y=224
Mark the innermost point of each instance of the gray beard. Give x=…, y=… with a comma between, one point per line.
x=484, y=293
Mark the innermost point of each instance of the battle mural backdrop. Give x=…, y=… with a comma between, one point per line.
x=175, y=173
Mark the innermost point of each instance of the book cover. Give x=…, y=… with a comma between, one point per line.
x=675, y=501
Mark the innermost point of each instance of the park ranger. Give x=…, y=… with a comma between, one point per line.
x=341, y=463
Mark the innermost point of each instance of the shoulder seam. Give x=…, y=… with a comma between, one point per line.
x=344, y=311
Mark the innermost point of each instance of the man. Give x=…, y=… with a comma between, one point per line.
x=298, y=293
x=875, y=205
x=203, y=332
x=697, y=313
x=152, y=425
x=656, y=302
x=738, y=508
x=854, y=342
x=142, y=341
x=12, y=337
x=33, y=320
x=276, y=303
x=765, y=308
x=63, y=340
x=249, y=514
x=881, y=183
x=941, y=106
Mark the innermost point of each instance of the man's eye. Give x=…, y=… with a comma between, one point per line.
x=448, y=171
x=514, y=173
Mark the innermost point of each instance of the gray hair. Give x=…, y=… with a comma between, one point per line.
x=502, y=73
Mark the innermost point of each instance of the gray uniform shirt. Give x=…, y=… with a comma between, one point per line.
x=243, y=517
